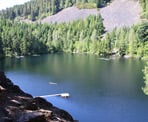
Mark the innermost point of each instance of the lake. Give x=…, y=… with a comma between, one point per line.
x=100, y=90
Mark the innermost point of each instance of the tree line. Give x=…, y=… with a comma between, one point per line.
x=18, y=38
x=129, y=41
x=81, y=36
x=38, y=9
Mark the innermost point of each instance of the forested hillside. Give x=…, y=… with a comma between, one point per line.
x=36, y=9
x=144, y=4
x=131, y=41
x=27, y=39
x=83, y=36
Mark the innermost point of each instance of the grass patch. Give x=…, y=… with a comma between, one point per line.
x=86, y=5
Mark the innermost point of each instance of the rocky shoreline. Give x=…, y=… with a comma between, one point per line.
x=18, y=106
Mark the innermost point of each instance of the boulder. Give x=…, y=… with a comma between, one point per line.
x=2, y=89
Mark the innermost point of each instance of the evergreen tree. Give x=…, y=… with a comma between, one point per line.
x=1, y=49
x=142, y=32
x=131, y=39
x=36, y=9
x=145, y=71
x=78, y=36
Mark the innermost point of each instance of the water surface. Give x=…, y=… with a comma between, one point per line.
x=101, y=90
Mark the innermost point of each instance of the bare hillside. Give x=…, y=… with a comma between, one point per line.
x=121, y=13
x=70, y=14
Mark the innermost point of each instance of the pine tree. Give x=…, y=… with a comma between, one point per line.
x=1, y=48
x=145, y=71
x=131, y=41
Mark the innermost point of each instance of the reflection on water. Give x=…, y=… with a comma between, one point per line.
x=101, y=90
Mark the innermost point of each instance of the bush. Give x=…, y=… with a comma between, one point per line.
x=86, y=5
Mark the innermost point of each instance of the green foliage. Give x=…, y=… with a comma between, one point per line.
x=82, y=36
x=145, y=71
x=1, y=49
x=129, y=41
x=26, y=39
x=86, y=5
x=142, y=32
x=144, y=4
x=36, y=9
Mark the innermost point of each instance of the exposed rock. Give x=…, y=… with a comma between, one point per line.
x=2, y=89
x=121, y=13
x=17, y=106
x=70, y=14
x=31, y=116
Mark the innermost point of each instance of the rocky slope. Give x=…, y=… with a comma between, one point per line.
x=121, y=13
x=70, y=14
x=17, y=106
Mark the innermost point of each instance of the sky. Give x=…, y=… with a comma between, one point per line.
x=9, y=3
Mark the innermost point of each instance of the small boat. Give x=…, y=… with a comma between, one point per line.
x=105, y=59
x=19, y=57
x=52, y=83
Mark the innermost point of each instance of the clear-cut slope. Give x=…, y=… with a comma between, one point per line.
x=121, y=13
x=70, y=14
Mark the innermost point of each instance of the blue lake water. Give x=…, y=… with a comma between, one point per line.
x=100, y=90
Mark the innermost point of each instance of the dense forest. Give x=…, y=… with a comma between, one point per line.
x=144, y=4
x=27, y=39
x=82, y=36
x=129, y=41
x=38, y=9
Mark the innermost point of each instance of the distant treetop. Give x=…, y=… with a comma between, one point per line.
x=38, y=9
